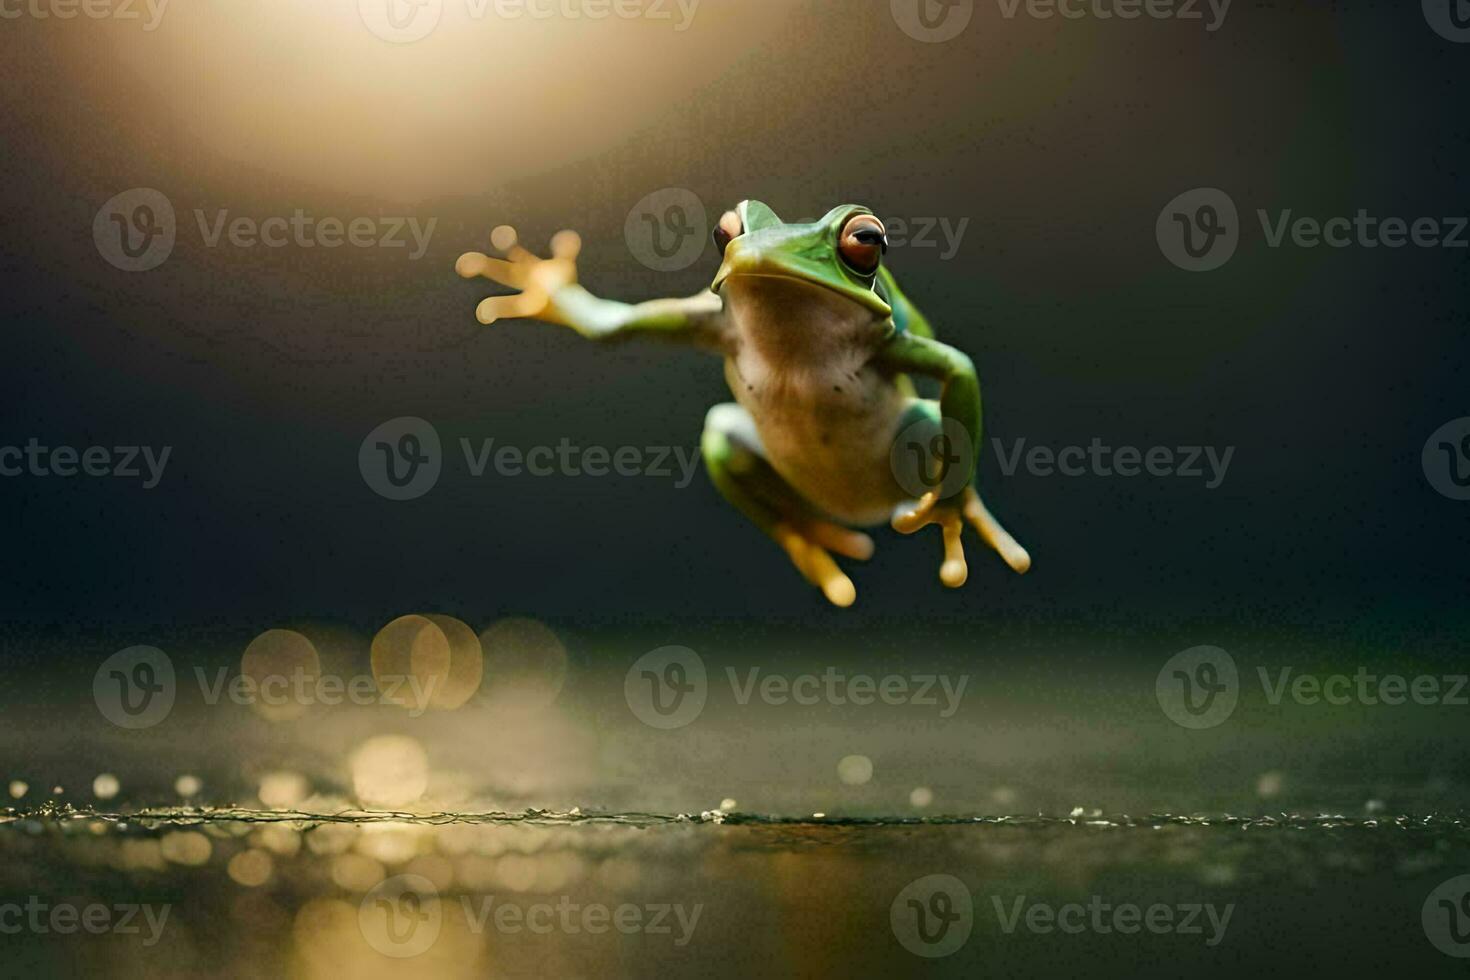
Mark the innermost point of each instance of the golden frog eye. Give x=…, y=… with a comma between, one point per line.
x=863, y=243
x=728, y=228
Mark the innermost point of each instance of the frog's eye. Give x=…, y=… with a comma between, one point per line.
x=863, y=243
x=729, y=227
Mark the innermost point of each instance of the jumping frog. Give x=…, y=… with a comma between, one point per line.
x=818, y=343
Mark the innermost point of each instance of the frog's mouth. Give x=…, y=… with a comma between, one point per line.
x=792, y=319
x=743, y=262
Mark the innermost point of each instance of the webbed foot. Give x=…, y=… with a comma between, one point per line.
x=537, y=279
x=951, y=516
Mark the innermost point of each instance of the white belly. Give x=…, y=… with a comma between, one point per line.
x=828, y=433
x=803, y=368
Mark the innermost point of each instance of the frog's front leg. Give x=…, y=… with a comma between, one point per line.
x=960, y=401
x=549, y=292
x=736, y=461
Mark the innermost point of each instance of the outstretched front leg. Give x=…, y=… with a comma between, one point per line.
x=549, y=292
x=737, y=465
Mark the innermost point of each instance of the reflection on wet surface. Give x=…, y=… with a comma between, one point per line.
x=259, y=892
x=425, y=800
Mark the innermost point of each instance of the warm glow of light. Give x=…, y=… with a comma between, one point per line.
x=390, y=770
x=187, y=847
x=355, y=872
x=307, y=92
x=250, y=868
x=431, y=657
x=283, y=790
x=278, y=840
x=391, y=843
x=285, y=668
x=855, y=770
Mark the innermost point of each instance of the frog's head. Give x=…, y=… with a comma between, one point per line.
x=839, y=252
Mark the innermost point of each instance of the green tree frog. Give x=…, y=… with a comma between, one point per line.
x=818, y=342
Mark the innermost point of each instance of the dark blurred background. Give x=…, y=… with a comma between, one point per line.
x=1051, y=148
x=1058, y=140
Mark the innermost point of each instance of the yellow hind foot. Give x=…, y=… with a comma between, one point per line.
x=951, y=517
x=807, y=543
x=537, y=279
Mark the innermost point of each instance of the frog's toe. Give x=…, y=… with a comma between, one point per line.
x=838, y=589
x=472, y=264
x=1010, y=551
x=909, y=518
x=566, y=244
x=816, y=565
x=844, y=541
x=524, y=304
x=953, y=571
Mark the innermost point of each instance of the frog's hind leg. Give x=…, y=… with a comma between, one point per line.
x=737, y=464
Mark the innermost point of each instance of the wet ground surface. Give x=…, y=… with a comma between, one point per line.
x=267, y=894
x=1042, y=813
